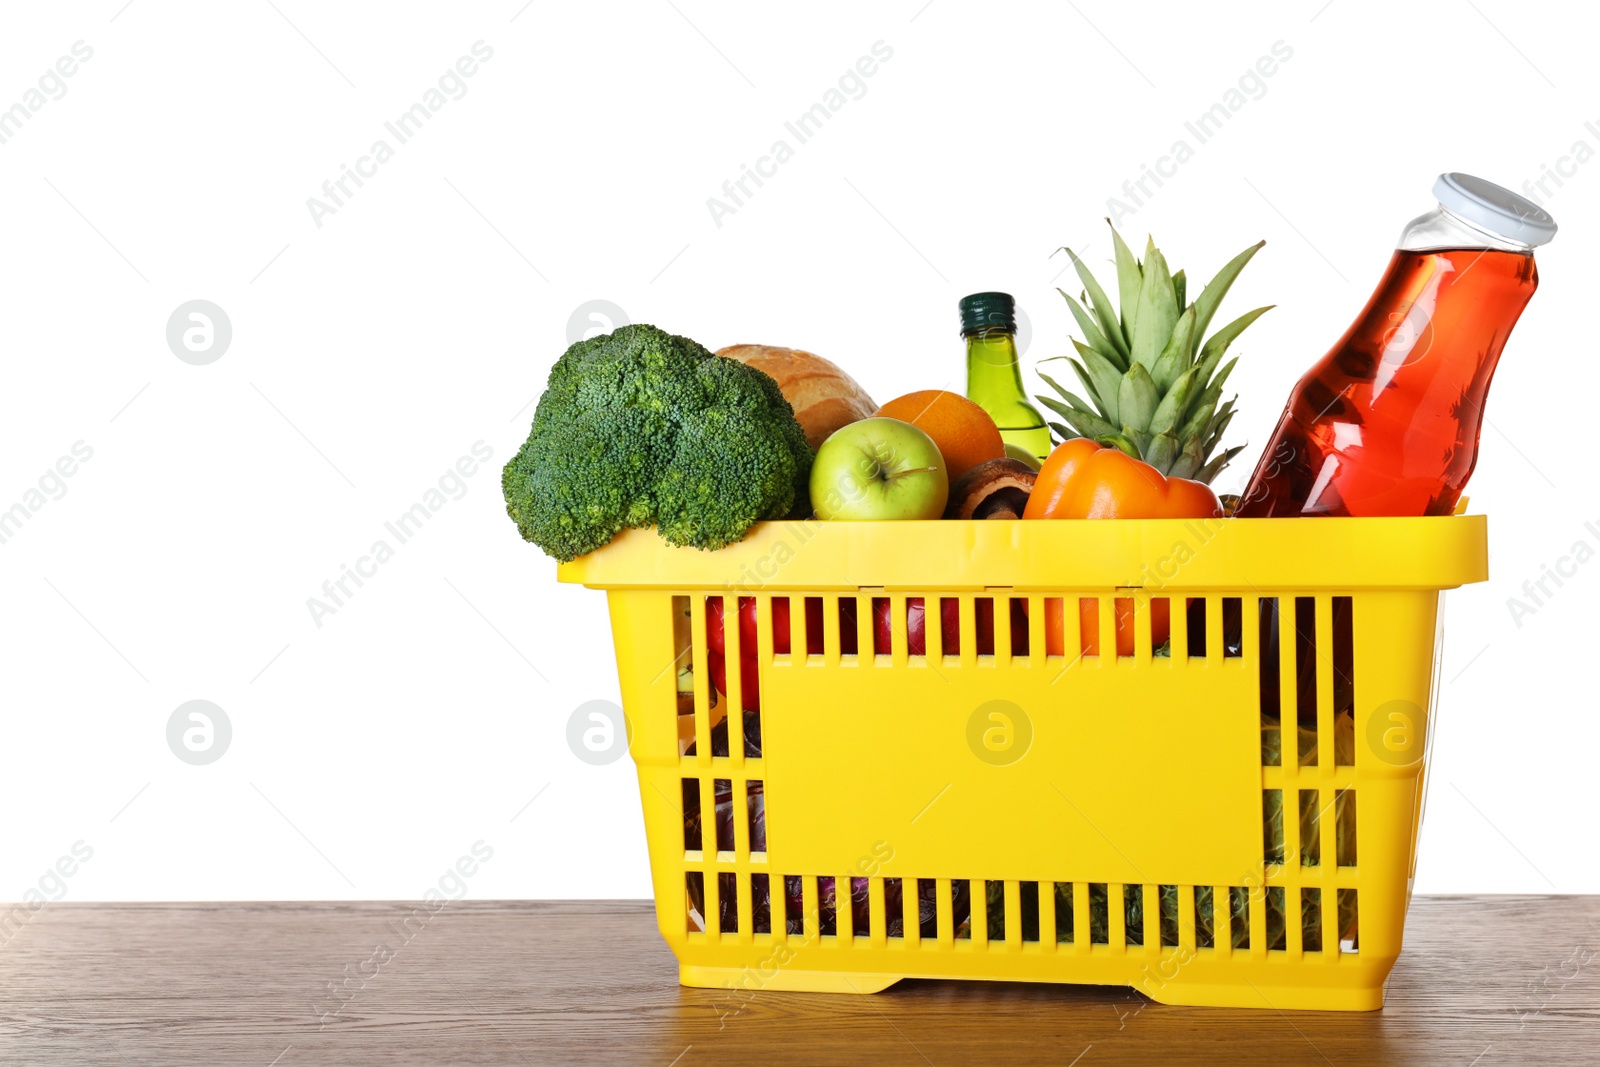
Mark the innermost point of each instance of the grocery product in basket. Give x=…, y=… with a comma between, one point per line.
x=949, y=627
x=882, y=639
x=1017, y=452
x=1342, y=810
x=719, y=746
x=1387, y=422
x=1084, y=480
x=964, y=432
x=995, y=489
x=791, y=900
x=1154, y=380
x=717, y=649
x=716, y=643
x=994, y=381
x=824, y=397
x=640, y=427
x=879, y=468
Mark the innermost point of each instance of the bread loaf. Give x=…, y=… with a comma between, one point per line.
x=824, y=397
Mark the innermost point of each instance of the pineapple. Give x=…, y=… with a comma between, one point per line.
x=1153, y=385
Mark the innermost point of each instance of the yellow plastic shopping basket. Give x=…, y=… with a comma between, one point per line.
x=1181, y=755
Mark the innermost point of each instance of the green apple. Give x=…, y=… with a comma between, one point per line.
x=879, y=468
x=1022, y=455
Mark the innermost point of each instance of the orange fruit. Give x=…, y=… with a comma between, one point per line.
x=964, y=432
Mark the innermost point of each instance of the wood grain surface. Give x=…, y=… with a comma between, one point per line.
x=1483, y=981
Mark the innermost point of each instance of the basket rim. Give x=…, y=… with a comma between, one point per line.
x=954, y=555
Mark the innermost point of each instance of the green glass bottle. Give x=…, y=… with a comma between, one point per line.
x=994, y=381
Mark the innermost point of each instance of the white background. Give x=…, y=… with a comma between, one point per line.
x=371, y=352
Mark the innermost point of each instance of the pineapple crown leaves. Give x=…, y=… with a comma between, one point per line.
x=1153, y=379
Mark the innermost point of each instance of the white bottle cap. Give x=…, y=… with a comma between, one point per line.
x=1488, y=206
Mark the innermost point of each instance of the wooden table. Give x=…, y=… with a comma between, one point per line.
x=1483, y=981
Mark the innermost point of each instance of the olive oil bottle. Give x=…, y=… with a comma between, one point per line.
x=994, y=381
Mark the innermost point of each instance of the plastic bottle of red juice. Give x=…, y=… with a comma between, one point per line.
x=1387, y=423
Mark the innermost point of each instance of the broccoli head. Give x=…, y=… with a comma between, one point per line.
x=643, y=428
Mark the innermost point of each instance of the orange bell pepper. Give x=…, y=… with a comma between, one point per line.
x=1084, y=480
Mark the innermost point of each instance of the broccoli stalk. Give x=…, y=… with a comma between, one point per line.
x=643, y=428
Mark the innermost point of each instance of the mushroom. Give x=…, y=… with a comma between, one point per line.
x=995, y=489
